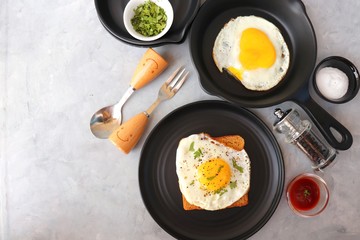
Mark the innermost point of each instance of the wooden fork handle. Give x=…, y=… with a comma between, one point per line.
x=149, y=67
x=127, y=135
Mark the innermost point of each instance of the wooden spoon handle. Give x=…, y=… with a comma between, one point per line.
x=149, y=67
x=126, y=136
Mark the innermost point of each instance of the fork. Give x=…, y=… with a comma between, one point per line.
x=127, y=135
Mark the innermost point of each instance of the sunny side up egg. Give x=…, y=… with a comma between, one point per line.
x=211, y=175
x=252, y=50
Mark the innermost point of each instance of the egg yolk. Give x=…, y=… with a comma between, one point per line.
x=214, y=174
x=256, y=50
x=236, y=72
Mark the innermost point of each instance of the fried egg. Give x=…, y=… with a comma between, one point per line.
x=253, y=51
x=211, y=175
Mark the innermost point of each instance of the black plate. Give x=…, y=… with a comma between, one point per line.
x=110, y=13
x=159, y=183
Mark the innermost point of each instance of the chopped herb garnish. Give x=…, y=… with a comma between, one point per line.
x=192, y=147
x=306, y=193
x=198, y=153
x=237, y=166
x=233, y=185
x=218, y=171
x=192, y=183
x=221, y=191
x=149, y=19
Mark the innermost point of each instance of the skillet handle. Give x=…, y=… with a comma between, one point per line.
x=325, y=122
x=302, y=5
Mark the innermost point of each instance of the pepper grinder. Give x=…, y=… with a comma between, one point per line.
x=299, y=133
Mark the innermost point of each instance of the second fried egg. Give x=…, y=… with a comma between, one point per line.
x=252, y=50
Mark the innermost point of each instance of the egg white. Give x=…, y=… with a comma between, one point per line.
x=226, y=52
x=186, y=169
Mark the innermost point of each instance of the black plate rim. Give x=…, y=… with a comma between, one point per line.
x=169, y=38
x=277, y=149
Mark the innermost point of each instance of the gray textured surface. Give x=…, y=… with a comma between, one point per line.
x=58, y=65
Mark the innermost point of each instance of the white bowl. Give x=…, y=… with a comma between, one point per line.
x=129, y=14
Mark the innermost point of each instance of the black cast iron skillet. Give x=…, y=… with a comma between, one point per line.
x=291, y=18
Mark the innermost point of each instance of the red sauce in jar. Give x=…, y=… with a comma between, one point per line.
x=304, y=194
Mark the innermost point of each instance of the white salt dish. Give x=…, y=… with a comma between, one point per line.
x=345, y=66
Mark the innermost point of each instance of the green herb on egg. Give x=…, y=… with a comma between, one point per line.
x=221, y=191
x=149, y=19
x=235, y=165
x=218, y=171
x=198, y=153
x=192, y=147
x=233, y=184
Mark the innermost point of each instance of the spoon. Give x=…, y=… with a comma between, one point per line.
x=107, y=119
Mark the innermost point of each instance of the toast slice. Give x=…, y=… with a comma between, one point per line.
x=236, y=142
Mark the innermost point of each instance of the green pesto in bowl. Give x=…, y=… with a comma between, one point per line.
x=149, y=19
